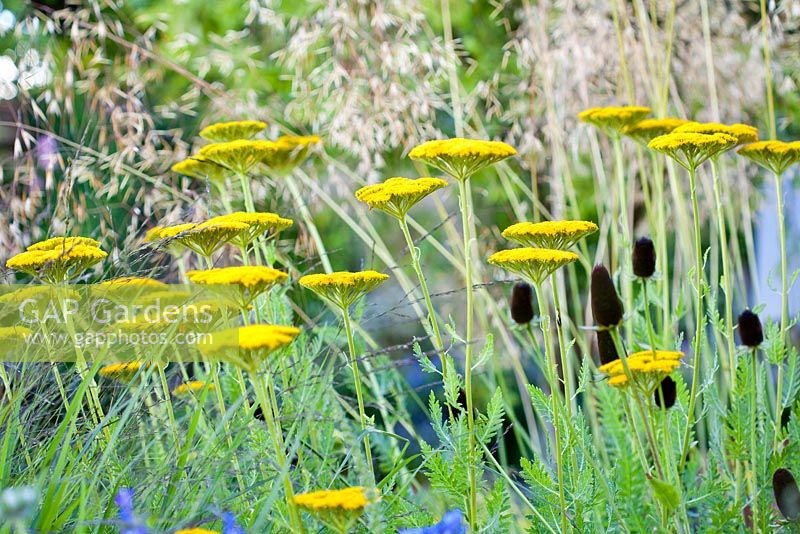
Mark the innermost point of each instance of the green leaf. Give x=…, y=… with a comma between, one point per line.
x=667, y=494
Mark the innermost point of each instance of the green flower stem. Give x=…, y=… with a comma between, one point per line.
x=302, y=206
x=544, y=317
x=784, y=304
x=357, y=382
x=650, y=332
x=753, y=434
x=660, y=239
x=247, y=194
x=727, y=276
x=464, y=203
x=274, y=426
x=698, y=319
x=562, y=348
x=623, y=248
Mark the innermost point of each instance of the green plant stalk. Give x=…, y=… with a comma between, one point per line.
x=562, y=347
x=302, y=206
x=623, y=248
x=359, y=395
x=473, y=490
x=661, y=242
x=753, y=432
x=699, y=319
x=544, y=317
x=784, y=304
x=726, y=274
x=274, y=426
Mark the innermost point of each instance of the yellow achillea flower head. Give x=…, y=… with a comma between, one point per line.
x=192, y=386
x=231, y=131
x=343, y=288
x=776, y=156
x=291, y=151
x=339, y=509
x=56, y=265
x=647, y=369
x=645, y=130
x=742, y=132
x=203, y=238
x=397, y=195
x=200, y=168
x=64, y=243
x=248, y=346
x=258, y=223
x=122, y=372
x=14, y=333
x=533, y=264
x=250, y=280
x=133, y=281
x=239, y=156
x=461, y=158
x=549, y=234
x=690, y=149
x=613, y=119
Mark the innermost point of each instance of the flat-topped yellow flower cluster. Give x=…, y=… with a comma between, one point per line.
x=549, y=234
x=58, y=259
x=534, y=264
x=647, y=368
x=614, y=119
x=352, y=498
x=343, y=288
x=396, y=196
x=461, y=158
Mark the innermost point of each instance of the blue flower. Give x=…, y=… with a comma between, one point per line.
x=229, y=525
x=124, y=501
x=451, y=523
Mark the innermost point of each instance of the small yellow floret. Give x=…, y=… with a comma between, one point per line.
x=231, y=131
x=549, y=234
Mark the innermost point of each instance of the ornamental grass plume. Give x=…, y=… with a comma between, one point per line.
x=239, y=156
x=750, y=331
x=222, y=132
x=249, y=281
x=559, y=235
x=57, y=261
x=645, y=130
x=522, y=303
x=607, y=307
x=644, y=258
x=690, y=150
x=787, y=494
x=201, y=168
x=338, y=509
x=343, y=288
x=776, y=156
x=614, y=119
x=396, y=196
x=647, y=368
x=533, y=264
x=742, y=132
x=461, y=158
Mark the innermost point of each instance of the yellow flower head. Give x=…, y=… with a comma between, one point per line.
x=192, y=386
x=13, y=334
x=690, y=149
x=204, y=238
x=251, y=281
x=239, y=156
x=461, y=158
x=645, y=130
x=56, y=265
x=231, y=131
x=248, y=346
x=200, y=168
x=549, y=234
x=64, y=243
x=352, y=498
x=396, y=196
x=343, y=288
x=647, y=368
x=777, y=156
x=122, y=372
x=742, y=132
x=614, y=119
x=618, y=381
x=292, y=150
x=533, y=264
x=133, y=281
x=258, y=223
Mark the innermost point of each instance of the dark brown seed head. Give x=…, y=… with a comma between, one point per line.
x=787, y=495
x=669, y=391
x=606, y=347
x=644, y=258
x=522, y=303
x=750, y=331
x=606, y=305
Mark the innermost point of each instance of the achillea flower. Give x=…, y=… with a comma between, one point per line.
x=56, y=264
x=533, y=264
x=258, y=223
x=742, y=132
x=231, y=131
x=13, y=334
x=203, y=238
x=248, y=346
x=343, y=288
x=644, y=258
x=614, y=119
x=64, y=243
x=461, y=158
x=122, y=372
x=200, y=168
x=690, y=149
x=452, y=523
x=339, y=509
x=397, y=195
x=251, y=280
x=522, y=303
x=645, y=130
x=192, y=386
x=607, y=307
x=647, y=369
x=750, y=331
x=777, y=156
x=559, y=235
x=787, y=494
x=239, y=156
x=668, y=389
x=133, y=281
x=291, y=151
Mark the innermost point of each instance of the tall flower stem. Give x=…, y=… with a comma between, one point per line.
x=623, y=247
x=648, y=321
x=784, y=302
x=661, y=243
x=698, y=251
x=302, y=206
x=562, y=349
x=727, y=276
x=274, y=426
x=357, y=382
x=544, y=317
x=753, y=433
x=464, y=203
